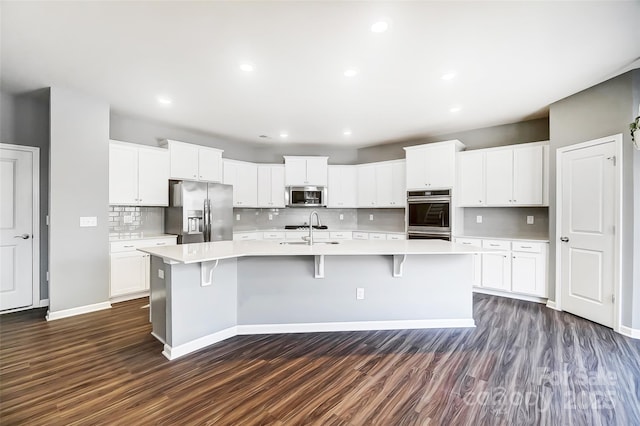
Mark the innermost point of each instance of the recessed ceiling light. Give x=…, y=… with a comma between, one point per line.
x=163, y=100
x=455, y=109
x=347, y=133
x=379, y=27
x=246, y=67
x=350, y=72
x=448, y=76
x=284, y=135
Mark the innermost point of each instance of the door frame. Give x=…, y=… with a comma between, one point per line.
x=35, y=221
x=617, y=217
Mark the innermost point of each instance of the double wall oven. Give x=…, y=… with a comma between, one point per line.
x=428, y=215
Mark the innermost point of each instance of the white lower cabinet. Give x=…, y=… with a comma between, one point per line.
x=518, y=267
x=129, y=268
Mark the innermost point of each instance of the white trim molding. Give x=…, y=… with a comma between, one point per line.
x=552, y=305
x=174, y=352
x=44, y=303
x=525, y=297
x=619, y=231
x=65, y=313
x=634, y=333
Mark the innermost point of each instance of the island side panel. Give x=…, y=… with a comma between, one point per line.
x=283, y=290
x=158, y=299
x=195, y=312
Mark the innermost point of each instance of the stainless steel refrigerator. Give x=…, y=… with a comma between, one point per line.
x=199, y=211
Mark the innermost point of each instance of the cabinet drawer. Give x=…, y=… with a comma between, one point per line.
x=123, y=246
x=377, y=236
x=296, y=235
x=156, y=242
x=245, y=236
x=336, y=235
x=528, y=247
x=360, y=236
x=277, y=235
x=396, y=237
x=469, y=242
x=120, y=246
x=497, y=244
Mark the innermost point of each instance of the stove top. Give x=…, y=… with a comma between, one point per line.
x=305, y=227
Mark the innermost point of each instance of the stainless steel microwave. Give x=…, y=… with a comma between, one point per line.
x=305, y=196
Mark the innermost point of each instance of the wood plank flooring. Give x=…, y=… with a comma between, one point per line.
x=523, y=364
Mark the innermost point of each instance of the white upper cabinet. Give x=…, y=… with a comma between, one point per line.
x=194, y=162
x=515, y=175
x=471, y=186
x=342, y=188
x=271, y=185
x=432, y=166
x=382, y=184
x=305, y=171
x=138, y=175
x=243, y=177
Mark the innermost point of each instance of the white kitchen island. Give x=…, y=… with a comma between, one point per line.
x=207, y=292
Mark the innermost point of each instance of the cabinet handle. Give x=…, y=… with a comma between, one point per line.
x=525, y=246
x=160, y=244
x=479, y=201
x=494, y=245
x=127, y=246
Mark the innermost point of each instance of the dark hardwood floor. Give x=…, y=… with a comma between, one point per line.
x=523, y=364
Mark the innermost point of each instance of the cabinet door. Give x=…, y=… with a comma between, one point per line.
x=496, y=271
x=342, y=187
x=316, y=171
x=264, y=186
x=384, y=184
x=440, y=163
x=471, y=179
x=398, y=184
x=247, y=183
x=184, y=159
x=416, y=169
x=295, y=172
x=129, y=273
x=153, y=177
x=209, y=165
x=277, y=186
x=499, y=177
x=528, y=274
x=367, y=186
x=230, y=177
x=527, y=175
x=334, y=187
x=123, y=175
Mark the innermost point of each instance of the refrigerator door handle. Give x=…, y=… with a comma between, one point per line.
x=205, y=218
x=209, y=221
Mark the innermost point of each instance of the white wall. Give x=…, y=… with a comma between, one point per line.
x=79, y=171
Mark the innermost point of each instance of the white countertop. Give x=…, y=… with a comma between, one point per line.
x=537, y=240
x=202, y=252
x=140, y=236
x=382, y=231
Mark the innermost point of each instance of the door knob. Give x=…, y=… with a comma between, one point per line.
x=23, y=236
x=564, y=239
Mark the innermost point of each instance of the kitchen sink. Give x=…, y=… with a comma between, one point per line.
x=297, y=243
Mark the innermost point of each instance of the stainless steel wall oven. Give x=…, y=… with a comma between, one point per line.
x=428, y=214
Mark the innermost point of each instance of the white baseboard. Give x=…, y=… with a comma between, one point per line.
x=174, y=352
x=77, y=311
x=510, y=295
x=634, y=333
x=552, y=305
x=44, y=302
x=355, y=326
x=125, y=297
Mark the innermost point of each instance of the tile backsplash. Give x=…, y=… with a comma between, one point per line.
x=134, y=220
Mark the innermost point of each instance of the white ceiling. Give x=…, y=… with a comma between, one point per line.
x=511, y=59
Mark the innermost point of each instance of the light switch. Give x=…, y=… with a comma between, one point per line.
x=238, y=216
x=360, y=293
x=341, y=216
x=478, y=219
x=529, y=220
x=88, y=221
x=370, y=217
x=270, y=216
x=161, y=274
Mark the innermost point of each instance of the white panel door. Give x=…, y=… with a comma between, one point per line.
x=153, y=177
x=123, y=175
x=16, y=229
x=264, y=186
x=496, y=271
x=247, y=184
x=277, y=186
x=440, y=166
x=184, y=161
x=587, y=245
x=295, y=172
x=527, y=175
x=416, y=169
x=366, y=186
x=383, y=184
x=209, y=165
x=528, y=274
x=471, y=186
x=129, y=273
x=342, y=188
x=398, y=184
x=499, y=177
x=317, y=171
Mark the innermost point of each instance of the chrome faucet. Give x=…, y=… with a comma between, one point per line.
x=310, y=238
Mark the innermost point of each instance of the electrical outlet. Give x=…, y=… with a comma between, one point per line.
x=529, y=220
x=370, y=217
x=341, y=216
x=478, y=219
x=128, y=219
x=88, y=221
x=270, y=216
x=238, y=216
x=161, y=274
x=360, y=293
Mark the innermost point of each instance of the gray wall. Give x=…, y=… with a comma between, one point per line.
x=636, y=204
x=79, y=257
x=25, y=121
x=603, y=110
x=149, y=132
x=508, y=222
x=487, y=137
